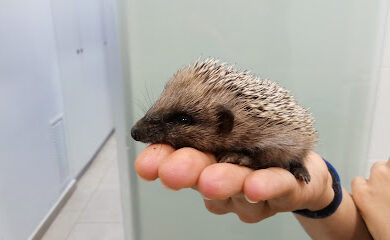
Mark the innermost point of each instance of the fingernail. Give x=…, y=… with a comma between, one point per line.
x=248, y=200
x=205, y=198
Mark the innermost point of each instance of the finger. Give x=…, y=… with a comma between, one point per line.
x=377, y=167
x=270, y=183
x=250, y=212
x=358, y=185
x=359, y=181
x=182, y=168
x=222, y=180
x=388, y=162
x=218, y=207
x=148, y=161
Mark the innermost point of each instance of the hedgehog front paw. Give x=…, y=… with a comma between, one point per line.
x=302, y=174
x=235, y=158
x=300, y=171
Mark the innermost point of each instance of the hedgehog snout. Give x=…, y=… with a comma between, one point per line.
x=135, y=133
x=139, y=131
x=148, y=132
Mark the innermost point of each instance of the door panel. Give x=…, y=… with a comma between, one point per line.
x=83, y=76
x=96, y=95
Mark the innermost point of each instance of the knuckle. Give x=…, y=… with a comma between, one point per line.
x=357, y=188
x=357, y=182
x=383, y=170
x=378, y=166
x=379, y=169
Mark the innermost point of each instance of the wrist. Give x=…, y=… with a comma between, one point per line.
x=333, y=205
x=325, y=197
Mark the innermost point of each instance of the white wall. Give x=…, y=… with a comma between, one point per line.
x=380, y=136
x=29, y=100
x=36, y=138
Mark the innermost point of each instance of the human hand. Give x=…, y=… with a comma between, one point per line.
x=372, y=197
x=252, y=195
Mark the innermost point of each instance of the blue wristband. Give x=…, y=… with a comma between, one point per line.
x=332, y=207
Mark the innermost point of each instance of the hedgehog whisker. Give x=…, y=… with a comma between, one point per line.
x=141, y=105
x=148, y=99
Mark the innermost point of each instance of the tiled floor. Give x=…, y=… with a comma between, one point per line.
x=93, y=212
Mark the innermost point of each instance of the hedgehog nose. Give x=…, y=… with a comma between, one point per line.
x=135, y=133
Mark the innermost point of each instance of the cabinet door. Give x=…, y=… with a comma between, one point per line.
x=85, y=89
x=96, y=95
x=67, y=32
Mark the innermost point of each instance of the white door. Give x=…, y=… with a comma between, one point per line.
x=96, y=95
x=87, y=112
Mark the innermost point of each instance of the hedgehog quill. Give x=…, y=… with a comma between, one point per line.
x=234, y=114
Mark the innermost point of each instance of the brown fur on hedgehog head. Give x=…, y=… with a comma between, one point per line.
x=213, y=107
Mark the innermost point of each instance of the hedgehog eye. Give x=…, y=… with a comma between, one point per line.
x=181, y=118
x=185, y=119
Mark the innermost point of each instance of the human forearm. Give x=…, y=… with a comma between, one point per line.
x=345, y=223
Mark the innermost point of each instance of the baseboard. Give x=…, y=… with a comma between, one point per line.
x=49, y=218
x=85, y=168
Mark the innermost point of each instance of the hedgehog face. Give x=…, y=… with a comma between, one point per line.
x=183, y=128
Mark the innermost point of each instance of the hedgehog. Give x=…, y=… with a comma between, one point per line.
x=236, y=115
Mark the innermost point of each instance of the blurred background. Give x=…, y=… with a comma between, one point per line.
x=76, y=75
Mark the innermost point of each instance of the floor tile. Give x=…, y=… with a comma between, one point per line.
x=79, y=199
x=104, y=206
x=111, y=180
x=62, y=226
x=97, y=231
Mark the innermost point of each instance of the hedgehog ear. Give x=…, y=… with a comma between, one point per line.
x=225, y=120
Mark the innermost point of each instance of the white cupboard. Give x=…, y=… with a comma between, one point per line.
x=81, y=52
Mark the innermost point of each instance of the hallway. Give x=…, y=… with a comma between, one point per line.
x=93, y=212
